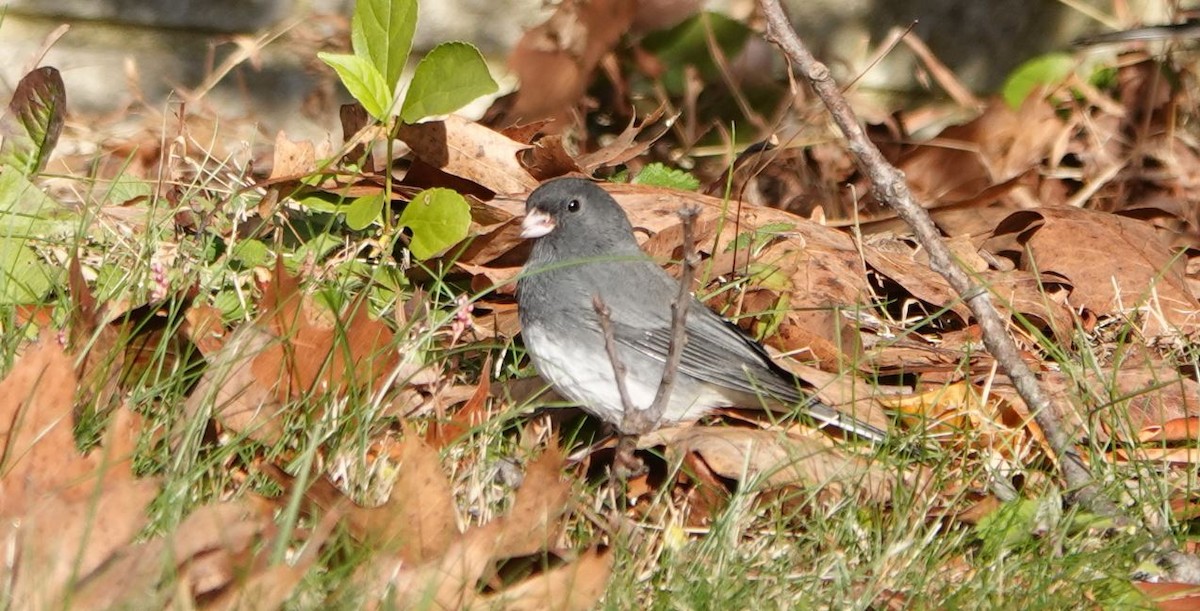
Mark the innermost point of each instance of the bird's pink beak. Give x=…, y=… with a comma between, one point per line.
x=536, y=224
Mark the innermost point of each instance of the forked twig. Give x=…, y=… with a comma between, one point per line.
x=636, y=422
x=644, y=421
x=610, y=346
x=889, y=186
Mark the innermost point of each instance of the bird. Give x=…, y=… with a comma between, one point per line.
x=583, y=248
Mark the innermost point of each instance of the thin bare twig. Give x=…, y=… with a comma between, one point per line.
x=610, y=346
x=645, y=421
x=889, y=186
x=636, y=422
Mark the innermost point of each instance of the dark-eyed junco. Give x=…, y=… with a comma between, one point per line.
x=585, y=247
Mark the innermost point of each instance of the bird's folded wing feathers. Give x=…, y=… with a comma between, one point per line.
x=716, y=352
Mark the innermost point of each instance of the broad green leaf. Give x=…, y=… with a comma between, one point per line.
x=1049, y=70
x=688, y=44
x=322, y=201
x=125, y=189
x=231, y=303
x=251, y=253
x=381, y=32
x=24, y=277
x=359, y=212
x=316, y=247
x=363, y=211
x=25, y=211
x=34, y=121
x=659, y=175
x=363, y=81
x=448, y=78
x=439, y=218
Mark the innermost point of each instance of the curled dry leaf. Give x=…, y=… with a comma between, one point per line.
x=554, y=61
x=1168, y=596
x=292, y=160
x=947, y=411
x=1015, y=291
x=771, y=459
x=1177, y=429
x=1114, y=264
x=470, y=150
x=965, y=160
x=1149, y=402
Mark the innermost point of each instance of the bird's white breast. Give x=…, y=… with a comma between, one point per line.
x=584, y=374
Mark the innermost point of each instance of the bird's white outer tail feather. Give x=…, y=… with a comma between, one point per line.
x=828, y=416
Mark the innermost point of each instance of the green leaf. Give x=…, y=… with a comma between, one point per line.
x=659, y=175
x=448, y=78
x=124, y=189
x=231, y=304
x=25, y=211
x=363, y=81
x=24, y=277
x=363, y=211
x=314, y=248
x=381, y=32
x=1049, y=70
x=439, y=218
x=688, y=44
x=251, y=253
x=34, y=121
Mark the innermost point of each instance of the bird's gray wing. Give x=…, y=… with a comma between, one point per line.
x=719, y=353
x=716, y=352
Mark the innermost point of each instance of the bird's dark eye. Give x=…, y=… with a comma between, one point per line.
x=573, y=206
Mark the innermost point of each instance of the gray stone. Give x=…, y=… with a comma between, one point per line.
x=169, y=41
x=190, y=15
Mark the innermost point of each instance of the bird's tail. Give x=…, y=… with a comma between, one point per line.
x=827, y=416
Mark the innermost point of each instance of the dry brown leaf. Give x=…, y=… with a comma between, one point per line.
x=1016, y=292
x=103, y=362
x=772, y=459
x=450, y=580
x=292, y=160
x=36, y=399
x=470, y=150
x=1132, y=403
x=471, y=414
x=999, y=145
x=554, y=61
x=417, y=522
x=203, y=553
x=577, y=585
x=62, y=515
x=292, y=349
x=549, y=158
x=1114, y=264
x=203, y=326
x=238, y=398
x=1177, y=429
x=626, y=146
x=268, y=587
x=960, y=406
x=542, y=500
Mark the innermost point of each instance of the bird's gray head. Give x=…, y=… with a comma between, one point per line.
x=575, y=215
